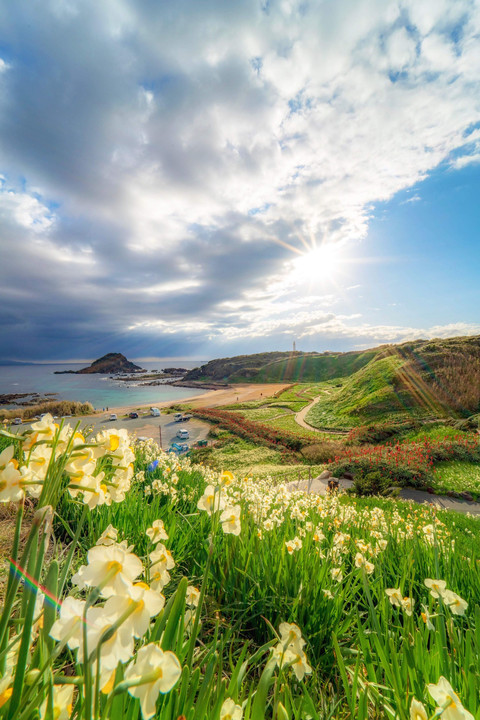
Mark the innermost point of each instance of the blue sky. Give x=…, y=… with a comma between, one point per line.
x=205, y=179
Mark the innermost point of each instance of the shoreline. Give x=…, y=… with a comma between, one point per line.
x=245, y=392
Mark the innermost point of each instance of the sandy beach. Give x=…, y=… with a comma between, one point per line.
x=213, y=398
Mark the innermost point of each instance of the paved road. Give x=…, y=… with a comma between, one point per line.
x=144, y=426
x=442, y=502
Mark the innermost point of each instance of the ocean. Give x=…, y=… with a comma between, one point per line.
x=96, y=389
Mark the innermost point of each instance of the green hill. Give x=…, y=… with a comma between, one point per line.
x=282, y=367
x=422, y=379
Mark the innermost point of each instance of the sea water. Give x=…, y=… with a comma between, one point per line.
x=99, y=390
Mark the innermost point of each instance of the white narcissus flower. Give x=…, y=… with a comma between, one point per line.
x=157, y=531
x=193, y=596
x=456, y=604
x=159, y=670
x=436, y=587
x=118, y=647
x=149, y=605
x=108, y=537
x=159, y=577
x=230, y=519
x=417, y=710
x=39, y=460
x=231, y=711
x=293, y=545
x=395, y=596
x=43, y=430
x=426, y=618
x=300, y=665
x=407, y=605
x=69, y=624
x=291, y=633
x=161, y=558
x=448, y=701
x=113, y=562
x=11, y=479
x=337, y=574
x=62, y=702
x=211, y=500
x=362, y=562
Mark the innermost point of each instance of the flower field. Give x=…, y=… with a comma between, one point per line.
x=143, y=586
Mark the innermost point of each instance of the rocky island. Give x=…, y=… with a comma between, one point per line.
x=109, y=364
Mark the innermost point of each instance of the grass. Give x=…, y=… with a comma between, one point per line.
x=374, y=394
x=289, y=423
x=457, y=475
x=324, y=564
x=310, y=368
x=54, y=407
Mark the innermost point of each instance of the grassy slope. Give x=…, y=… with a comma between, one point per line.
x=373, y=394
x=311, y=368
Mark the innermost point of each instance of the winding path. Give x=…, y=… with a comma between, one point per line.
x=300, y=419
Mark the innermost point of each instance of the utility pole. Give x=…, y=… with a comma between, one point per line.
x=160, y=435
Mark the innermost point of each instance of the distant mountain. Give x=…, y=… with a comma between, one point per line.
x=109, y=364
x=4, y=363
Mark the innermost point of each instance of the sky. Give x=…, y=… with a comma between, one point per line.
x=203, y=178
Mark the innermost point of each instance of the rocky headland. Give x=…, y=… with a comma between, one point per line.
x=109, y=364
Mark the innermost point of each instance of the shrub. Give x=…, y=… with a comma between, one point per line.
x=322, y=452
x=372, y=483
x=379, y=432
x=54, y=407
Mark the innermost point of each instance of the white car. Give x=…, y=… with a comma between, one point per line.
x=17, y=421
x=113, y=416
x=183, y=434
x=155, y=412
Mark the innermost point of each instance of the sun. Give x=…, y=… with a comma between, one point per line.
x=322, y=263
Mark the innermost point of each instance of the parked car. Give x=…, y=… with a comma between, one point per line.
x=133, y=415
x=177, y=417
x=183, y=434
x=155, y=412
x=113, y=416
x=17, y=421
x=178, y=448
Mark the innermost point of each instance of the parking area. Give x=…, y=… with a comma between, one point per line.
x=162, y=429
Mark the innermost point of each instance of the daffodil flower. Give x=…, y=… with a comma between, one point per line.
x=449, y=704
x=231, y=711
x=154, y=671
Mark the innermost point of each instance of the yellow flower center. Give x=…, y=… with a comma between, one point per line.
x=114, y=565
x=142, y=585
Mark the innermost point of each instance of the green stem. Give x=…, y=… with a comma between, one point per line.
x=203, y=590
x=16, y=577
x=26, y=635
x=68, y=562
x=16, y=543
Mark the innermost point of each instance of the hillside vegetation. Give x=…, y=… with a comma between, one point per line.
x=422, y=379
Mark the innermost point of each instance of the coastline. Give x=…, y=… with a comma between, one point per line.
x=244, y=392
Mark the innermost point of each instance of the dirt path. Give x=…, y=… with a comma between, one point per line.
x=300, y=419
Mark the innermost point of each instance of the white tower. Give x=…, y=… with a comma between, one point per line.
x=294, y=347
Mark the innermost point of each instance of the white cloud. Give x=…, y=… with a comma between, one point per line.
x=194, y=143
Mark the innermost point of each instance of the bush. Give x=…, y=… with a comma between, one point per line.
x=372, y=483
x=379, y=432
x=54, y=407
x=322, y=452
